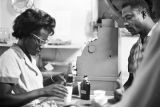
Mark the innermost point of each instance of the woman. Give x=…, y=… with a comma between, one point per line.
x=21, y=82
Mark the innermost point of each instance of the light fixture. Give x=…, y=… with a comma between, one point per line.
x=21, y=5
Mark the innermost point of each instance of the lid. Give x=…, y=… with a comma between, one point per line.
x=85, y=76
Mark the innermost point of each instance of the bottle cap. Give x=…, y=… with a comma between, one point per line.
x=85, y=76
x=70, y=78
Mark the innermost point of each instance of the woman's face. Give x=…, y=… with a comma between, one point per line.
x=35, y=41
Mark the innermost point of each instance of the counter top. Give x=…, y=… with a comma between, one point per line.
x=77, y=102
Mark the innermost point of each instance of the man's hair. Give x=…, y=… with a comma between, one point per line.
x=139, y=4
x=32, y=20
x=156, y=5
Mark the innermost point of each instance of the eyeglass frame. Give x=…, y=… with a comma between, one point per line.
x=41, y=41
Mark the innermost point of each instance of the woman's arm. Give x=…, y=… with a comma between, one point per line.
x=53, y=78
x=16, y=100
x=7, y=99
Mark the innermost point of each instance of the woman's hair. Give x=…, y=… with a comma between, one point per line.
x=32, y=20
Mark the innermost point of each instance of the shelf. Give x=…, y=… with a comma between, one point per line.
x=74, y=46
x=5, y=45
x=63, y=46
x=57, y=63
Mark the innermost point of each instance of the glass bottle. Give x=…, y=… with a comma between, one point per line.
x=85, y=88
x=69, y=85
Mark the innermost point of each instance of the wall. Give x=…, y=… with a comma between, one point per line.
x=60, y=57
x=72, y=16
x=7, y=14
x=125, y=44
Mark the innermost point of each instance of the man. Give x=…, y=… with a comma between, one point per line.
x=137, y=21
x=145, y=89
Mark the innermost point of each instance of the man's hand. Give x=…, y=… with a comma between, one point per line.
x=117, y=93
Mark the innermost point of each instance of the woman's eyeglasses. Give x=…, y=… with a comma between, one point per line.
x=41, y=41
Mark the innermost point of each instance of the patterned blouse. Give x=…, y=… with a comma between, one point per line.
x=136, y=54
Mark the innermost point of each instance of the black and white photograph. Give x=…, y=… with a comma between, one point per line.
x=79, y=53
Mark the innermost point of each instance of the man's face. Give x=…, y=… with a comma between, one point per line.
x=133, y=20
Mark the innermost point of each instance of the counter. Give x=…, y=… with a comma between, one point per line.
x=77, y=102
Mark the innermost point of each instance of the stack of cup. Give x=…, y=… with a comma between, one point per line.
x=99, y=96
x=68, y=98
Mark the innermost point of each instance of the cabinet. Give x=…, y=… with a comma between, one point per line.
x=99, y=59
x=58, y=55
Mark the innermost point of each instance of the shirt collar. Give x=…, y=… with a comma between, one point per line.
x=22, y=55
x=145, y=39
x=18, y=50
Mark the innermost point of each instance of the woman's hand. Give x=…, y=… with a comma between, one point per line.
x=54, y=78
x=59, y=78
x=55, y=90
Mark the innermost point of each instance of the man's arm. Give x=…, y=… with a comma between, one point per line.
x=128, y=82
x=130, y=67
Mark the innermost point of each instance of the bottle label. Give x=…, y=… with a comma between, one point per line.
x=83, y=92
